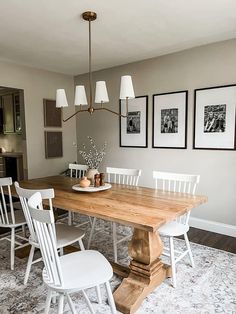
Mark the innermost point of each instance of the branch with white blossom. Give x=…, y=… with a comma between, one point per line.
x=94, y=157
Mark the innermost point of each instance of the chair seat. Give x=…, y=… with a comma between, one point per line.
x=19, y=219
x=173, y=229
x=67, y=235
x=82, y=270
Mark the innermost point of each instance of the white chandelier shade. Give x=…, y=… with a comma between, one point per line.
x=126, y=87
x=80, y=96
x=101, y=95
x=61, y=100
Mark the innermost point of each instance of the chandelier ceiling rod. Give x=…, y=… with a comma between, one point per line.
x=80, y=96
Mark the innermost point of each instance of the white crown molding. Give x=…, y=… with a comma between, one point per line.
x=213, y=226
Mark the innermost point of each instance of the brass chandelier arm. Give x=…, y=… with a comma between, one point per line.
x=94, y=109
x=74, y=114
x=109, y=110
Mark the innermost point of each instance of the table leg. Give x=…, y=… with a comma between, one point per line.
x=146, y=271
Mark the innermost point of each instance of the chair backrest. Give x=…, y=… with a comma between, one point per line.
x=44, y=225
x=77, y=171
x=24, y=195
x=123, y=176
x=6, y=217
x=177, y=182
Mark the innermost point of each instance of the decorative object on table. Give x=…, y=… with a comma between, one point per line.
x=133, y=129
x=102, y=179
x=169, y=126
x=214, y=118
x=52, y=114
x=84, y=182
x=93, y=158
x=90, y=173
x=101, y=96
x=97, y=180
x=53, y=144
x=91, y=189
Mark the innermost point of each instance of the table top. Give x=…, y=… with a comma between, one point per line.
x=140, y=207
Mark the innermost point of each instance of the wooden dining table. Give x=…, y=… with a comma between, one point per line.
x=144, y=209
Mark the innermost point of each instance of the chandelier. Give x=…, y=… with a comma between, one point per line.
x=101, y=95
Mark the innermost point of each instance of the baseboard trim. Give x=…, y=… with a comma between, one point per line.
x=213, y=226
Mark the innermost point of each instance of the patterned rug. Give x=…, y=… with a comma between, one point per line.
x=208, y=288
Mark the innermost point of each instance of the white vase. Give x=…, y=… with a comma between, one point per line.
x=90, y=174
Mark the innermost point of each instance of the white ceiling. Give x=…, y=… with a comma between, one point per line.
x=50, y=34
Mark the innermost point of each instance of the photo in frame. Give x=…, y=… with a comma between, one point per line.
x=169, y=125
x=53, y=144
x=134, y=128
x=52, y=115
x=214, y=118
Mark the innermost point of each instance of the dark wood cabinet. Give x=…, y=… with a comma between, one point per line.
x=8, y=114
x=17, y=112
x=11, y=112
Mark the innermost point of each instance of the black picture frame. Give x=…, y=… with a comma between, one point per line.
x=131, y=140
x=213, y=135
x=53, y=144
x=52, y=114
x=185, y=128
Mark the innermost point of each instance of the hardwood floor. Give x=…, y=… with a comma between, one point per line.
x=211, y=239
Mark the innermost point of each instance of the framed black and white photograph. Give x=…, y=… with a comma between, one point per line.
x=214, y=118
x=169, y=125
x=133, y=128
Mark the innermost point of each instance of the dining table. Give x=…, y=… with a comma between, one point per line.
x=142, y=208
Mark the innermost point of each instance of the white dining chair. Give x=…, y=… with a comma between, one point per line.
x=119, y=176
x=183, y=183
x=11, y=218
x=69, y=273
x=77, y=171
x=66, y=235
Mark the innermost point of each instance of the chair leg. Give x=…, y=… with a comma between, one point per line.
x=189, y=250
x=54, y=298
x=12, y=248
x=81, y=244
x=88, y=302
x=91, y=221
x=114, y=239
x=91, y=232
x=61, y=304
x=99, y=296
x=110, y=298
x=71, y=304
x=28, y=268
x=70, y=218
x=48, y=302
x=172, y=259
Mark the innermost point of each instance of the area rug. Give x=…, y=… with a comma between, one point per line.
x=208, y=288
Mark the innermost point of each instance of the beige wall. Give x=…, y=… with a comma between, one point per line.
x=39, y=84
x=195, y=68
x=11, y=142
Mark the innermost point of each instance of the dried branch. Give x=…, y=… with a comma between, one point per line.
x=94, y=157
